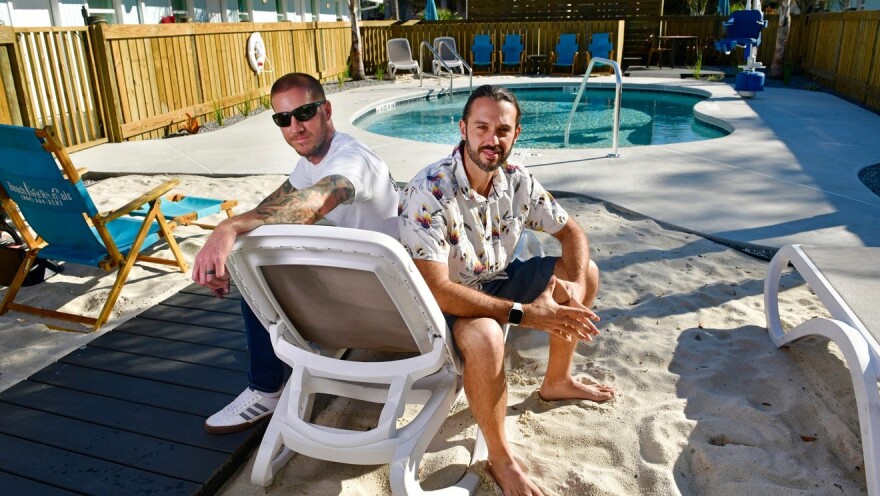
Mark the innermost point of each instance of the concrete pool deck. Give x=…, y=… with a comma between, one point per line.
x=788, y=173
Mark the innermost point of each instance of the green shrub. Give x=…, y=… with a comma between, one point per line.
x=380, y=73
x=246, y=108
x=218, y=114
x=266, y=102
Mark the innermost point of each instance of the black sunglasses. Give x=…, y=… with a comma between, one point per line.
x=302, y=113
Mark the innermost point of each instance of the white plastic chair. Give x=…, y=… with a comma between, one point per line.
x=400, y=56
x=847, y=282
x=320, y=289
x=445, y=47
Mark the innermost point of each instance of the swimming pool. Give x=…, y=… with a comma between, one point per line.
x=647, y=117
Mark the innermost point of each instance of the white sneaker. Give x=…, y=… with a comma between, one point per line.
x=247, y=409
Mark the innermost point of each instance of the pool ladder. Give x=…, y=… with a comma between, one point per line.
x=618, y=86
x=443, y=44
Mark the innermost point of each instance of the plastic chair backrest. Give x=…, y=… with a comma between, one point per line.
x=51, y=204
x=566, y=48
x=448, y=48
x=399, y=50
x=482, y=49
x=511, y=49
x=600, y=45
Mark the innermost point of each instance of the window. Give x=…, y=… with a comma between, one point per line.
x=243, y=12
x=179, y=8
x=279, y=10
x=104, y=8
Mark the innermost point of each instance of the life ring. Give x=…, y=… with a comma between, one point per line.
x=256, y=52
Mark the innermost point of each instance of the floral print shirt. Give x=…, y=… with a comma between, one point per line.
x=442, y=219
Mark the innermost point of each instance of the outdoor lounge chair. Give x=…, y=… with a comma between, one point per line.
x=400, y=56
x=846, y=282
x=320, y=290
x=483, y=54
x=50, y=199
x=513, y=55
x=600, y=46
x=565, y=54
x=186, y=210
x=445, y=48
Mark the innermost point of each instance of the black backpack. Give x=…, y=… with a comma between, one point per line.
x=12, y=253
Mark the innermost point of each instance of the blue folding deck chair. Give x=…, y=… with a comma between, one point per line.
x=483, y=54
x=50, y=200
x=565, y=54
x=513, y=54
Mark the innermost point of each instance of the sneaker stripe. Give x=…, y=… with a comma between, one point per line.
x=261, y=407
x=246, y=415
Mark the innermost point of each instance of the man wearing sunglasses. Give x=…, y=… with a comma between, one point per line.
x=337, y=179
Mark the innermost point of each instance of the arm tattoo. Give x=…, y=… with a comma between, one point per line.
x=288, y=205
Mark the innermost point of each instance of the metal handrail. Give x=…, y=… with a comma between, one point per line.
x=618, y=85
x=437, y=57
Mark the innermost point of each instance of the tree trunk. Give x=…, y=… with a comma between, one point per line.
x=777, y=66
x=357, y=59
x=391, y=10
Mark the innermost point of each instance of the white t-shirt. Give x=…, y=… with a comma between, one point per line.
x=375, y=199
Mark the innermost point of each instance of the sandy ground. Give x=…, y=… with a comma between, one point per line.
x=707, y=405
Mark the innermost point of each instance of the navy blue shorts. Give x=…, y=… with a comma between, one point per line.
x=525, y=282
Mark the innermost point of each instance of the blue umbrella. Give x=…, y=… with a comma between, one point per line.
x=431, y=11
x=724, y=8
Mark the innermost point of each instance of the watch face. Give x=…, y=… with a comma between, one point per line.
x=515, y=316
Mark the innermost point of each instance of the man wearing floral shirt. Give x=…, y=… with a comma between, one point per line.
x=460, y=220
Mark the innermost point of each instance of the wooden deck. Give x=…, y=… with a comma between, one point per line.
x=124, y=414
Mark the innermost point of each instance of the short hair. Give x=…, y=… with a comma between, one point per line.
x=299, y=80
x=495, y=92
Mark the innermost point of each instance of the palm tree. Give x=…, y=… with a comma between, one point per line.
x=357, y=60
x=776, y=67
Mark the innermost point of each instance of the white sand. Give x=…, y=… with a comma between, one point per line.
x=706, y=404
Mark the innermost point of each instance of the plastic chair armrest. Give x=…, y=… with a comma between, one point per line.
x=135, y=204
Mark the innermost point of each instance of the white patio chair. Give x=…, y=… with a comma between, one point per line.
x=400, y=56
x=847, y=281
x=321, y=289
x=445, y=47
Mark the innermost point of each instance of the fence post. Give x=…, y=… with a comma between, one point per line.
x=107, y=79
x=14, y=94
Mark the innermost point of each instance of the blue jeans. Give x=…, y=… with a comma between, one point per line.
x=266, y=372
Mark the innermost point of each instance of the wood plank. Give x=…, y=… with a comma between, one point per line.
x=187, y=333
x=203, y=302
x=13, y=485
x=204, y=318
x=130, y=417
x=148, y=454
x=172, y=372
x=166, y=349
x=65, y=469
x=132, y=389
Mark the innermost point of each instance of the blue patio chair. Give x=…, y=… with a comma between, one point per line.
x=565, y=54
x=513, y=54
x=49, y=200
x=600, y=46
x=483, y=54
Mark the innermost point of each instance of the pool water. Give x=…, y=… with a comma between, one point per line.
x=646, y=118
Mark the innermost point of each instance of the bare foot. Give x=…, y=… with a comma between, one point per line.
x=511, y=479
x=577, y=390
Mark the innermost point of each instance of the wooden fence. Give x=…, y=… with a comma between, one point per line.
x=539, y=37
x=126, y=82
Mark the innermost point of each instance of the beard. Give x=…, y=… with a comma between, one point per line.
x=484, y=165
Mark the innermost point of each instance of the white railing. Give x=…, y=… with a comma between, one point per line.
x=618, y=87
x=437, y=58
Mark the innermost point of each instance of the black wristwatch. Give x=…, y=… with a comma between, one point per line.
x=516, y=314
